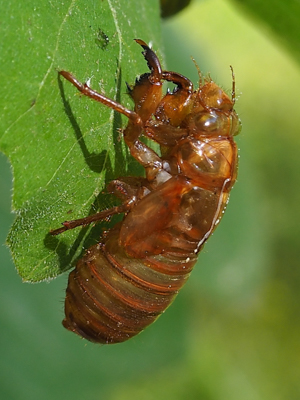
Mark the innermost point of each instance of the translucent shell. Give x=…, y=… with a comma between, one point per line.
x=130, y=277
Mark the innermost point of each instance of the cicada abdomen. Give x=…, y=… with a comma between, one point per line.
x=123, y=283
x=112, y=296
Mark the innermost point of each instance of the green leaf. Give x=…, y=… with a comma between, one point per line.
x=63, y=147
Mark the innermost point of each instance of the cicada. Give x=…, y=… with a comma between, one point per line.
x=125, y=281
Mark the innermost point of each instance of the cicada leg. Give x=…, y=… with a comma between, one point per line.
x=129, y=190
x=146, y=95
x=67, y=225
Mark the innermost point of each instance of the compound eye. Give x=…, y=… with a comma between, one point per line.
x=209, y=122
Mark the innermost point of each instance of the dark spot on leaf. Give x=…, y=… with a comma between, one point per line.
x=102, y=40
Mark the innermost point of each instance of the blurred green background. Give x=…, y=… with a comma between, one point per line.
x=234, y=330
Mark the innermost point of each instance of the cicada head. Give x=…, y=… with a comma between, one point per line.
x=213, y=113
x=211, y=95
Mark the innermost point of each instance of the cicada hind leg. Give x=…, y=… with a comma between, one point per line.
x=128, y=189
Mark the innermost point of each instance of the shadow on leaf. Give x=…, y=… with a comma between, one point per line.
x=87, y=236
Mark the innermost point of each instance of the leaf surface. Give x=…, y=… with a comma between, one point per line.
x=63, y=147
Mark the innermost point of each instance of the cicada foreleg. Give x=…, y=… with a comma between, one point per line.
x=87, y=91
x=147, y=91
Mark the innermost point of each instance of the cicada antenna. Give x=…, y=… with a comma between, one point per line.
x=199, y=71
x=233, y=85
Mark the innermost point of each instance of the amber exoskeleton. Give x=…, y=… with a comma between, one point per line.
x=123, y=283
